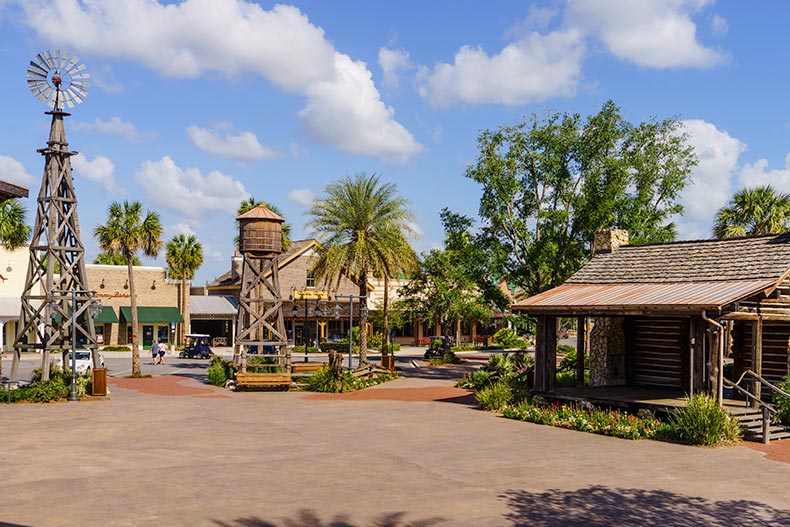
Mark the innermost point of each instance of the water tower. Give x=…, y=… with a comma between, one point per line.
x=260, y=319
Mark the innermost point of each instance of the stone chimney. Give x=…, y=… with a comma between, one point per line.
x=609, y=240
x=235, y=266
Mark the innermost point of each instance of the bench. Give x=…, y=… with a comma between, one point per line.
x=421, y=341
x=307, y=367
x=263, y=380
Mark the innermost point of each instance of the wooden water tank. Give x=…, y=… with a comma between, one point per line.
x=260, y=232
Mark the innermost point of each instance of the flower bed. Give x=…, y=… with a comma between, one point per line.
x=594, y=420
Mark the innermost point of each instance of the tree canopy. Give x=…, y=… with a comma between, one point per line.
x=362, y=225
x=549, y=183
x=14, y=232
x=752, y=212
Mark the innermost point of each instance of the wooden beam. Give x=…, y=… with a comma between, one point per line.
x=540, y=354
x=551, y=352
x=757, y=354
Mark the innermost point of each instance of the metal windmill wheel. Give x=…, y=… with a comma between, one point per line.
x=57, y=78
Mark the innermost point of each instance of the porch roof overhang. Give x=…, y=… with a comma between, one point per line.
x=641, y=298
x=151, y=314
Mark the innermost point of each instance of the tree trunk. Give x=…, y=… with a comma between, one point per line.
x=136, y=372
x=184, y=310
x=385, y=345
x=363, y=319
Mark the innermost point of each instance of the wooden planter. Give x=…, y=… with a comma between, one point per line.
x=388, y=362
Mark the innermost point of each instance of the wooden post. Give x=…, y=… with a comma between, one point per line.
x=551, y=352
x=757, y=355
x=581, y=341
x=540, y=354
x=766, y=425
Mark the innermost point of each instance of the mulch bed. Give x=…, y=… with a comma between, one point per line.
x=775, y=451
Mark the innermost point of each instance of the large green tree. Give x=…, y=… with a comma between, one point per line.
x=14, y=231
x=548, y=183
x=249, y=204
x=362, y=225
x=184, y=255
x=127, y=231
x=752, y=212
x=114, y=259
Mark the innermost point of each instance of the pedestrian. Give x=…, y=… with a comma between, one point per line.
x=162, y=353
x=154, y=352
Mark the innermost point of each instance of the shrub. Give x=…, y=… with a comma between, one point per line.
x=325, y=380
x=300, y=349
x=703, y=422
x=219, y=371
x=476, y=380
x=781, y=403
x=116, y=348
x=447, y=358
x=507, y=337
x=499, y=364
x=594, y=420
x=494, y=396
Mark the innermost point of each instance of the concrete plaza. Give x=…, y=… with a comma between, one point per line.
x=415, y=452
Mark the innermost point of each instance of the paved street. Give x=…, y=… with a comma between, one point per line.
x=171, y=450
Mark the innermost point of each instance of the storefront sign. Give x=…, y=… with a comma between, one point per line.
x=115, y=294
x=310, y=294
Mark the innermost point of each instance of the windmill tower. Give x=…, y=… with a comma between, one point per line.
x=57, y=256
x=260, y=318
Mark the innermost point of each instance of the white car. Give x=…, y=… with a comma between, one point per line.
x=83, y=361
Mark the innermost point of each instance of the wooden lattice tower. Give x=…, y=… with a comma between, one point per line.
x=57, y=256
x=260, y=318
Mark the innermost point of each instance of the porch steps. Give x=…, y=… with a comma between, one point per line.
x=751, y=421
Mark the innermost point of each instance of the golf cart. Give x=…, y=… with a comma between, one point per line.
x=196, y=347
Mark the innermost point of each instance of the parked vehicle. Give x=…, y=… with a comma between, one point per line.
x=196, y=347
x=83, y=361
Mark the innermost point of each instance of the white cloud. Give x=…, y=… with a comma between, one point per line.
x=651, y=33
x=302, y=196
x=100, y=171
x=754, y=174
x=187, y=191
x=718, y=153
x=235, y=38
x=182, y=228
x=13, y=171
x=393, y=62
x=347, y=112
x=719, y=25
x=535, y=68
x=241, y=147
x=116, y=126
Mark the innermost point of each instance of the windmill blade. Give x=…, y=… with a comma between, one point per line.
x=48, y=60
x=67, y=99
x=36, y=68
x=56, y=59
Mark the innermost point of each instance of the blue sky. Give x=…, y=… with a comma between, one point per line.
x=196, y=105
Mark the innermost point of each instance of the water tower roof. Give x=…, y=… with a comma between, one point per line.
x=261, y=213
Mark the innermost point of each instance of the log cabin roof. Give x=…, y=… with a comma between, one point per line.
x=670, y=277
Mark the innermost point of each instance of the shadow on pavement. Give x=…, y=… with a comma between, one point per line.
x=439, y=373
x=598, y=506
x=309, y=518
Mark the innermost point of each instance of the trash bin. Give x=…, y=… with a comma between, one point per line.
x=99, y=384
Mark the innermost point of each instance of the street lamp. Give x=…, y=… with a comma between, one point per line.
x=92, y=310
x=362, y=312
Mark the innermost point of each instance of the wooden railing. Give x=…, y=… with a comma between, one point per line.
x=751, y=399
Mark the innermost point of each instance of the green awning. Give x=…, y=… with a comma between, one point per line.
x=106, y=316
x=152, y=314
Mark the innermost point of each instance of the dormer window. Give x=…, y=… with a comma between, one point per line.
x=310, y=281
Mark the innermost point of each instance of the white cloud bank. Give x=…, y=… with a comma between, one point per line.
x=187, y=191
x=302, y=196
x=544, y=64
x=101, y=170
x=13, y=171
x=244, y=146
x=650, y=33
x=116, y=126
x=712, y=187
x=393, y=62
x=234, y=38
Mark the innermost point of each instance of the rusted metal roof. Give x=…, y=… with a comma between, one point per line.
x=261, y=212
x=602, y=298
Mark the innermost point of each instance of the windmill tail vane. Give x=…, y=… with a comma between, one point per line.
x=57, y=78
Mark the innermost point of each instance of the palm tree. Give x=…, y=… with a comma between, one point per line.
x=126, y=232
x=14, y=232
x=362, y=226
x=113, y=259
x=752, y=212
x=249, y=204
x=184, y=257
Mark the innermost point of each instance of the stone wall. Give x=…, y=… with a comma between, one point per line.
x=607, y=352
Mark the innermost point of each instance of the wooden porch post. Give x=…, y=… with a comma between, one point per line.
x=551, y=353
x=581, y=340
x=757, y=355
x=540, y=354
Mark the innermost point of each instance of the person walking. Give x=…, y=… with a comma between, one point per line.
x=155, y=352
x=162, y=353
